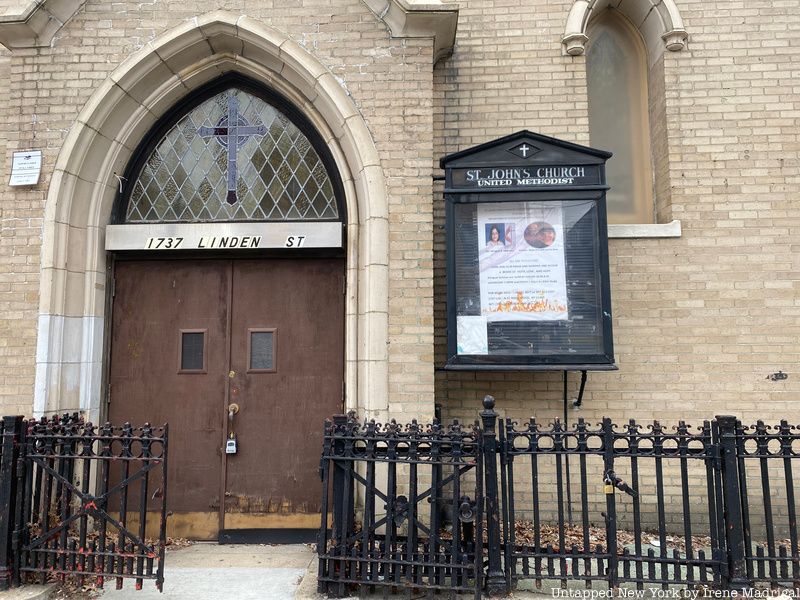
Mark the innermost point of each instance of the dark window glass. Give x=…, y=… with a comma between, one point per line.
x=262, y=350
x=192, y=353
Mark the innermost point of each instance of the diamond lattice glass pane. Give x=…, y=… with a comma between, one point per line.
x=274, y=171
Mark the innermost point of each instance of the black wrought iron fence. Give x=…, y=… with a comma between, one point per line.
x=75, y=500
x=640, y=504
x=768, y=489
x=596, y=532
x=10, y=428
x=402, y=504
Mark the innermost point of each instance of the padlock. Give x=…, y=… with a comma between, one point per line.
x=608, y=484
x=230, y=446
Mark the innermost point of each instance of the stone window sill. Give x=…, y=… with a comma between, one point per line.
x=650, y=230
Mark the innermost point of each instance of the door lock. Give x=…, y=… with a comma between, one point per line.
x=230, y=443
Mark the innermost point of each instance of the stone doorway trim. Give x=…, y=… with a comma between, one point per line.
x=73, y=295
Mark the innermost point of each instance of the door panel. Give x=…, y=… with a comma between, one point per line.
x=273, y=481
x=295, y=308
x=153, y=303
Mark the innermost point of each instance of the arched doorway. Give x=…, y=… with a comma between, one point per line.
x=228, y=307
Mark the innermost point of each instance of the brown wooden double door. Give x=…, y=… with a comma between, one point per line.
x=192, y=338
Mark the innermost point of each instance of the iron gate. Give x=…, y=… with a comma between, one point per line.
x=419, y=526
x=77, y=500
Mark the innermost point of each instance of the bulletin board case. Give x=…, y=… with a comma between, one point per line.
x=527, y=256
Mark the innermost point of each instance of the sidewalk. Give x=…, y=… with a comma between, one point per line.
x=209, y=571
x=242, y=572
x=231, y=572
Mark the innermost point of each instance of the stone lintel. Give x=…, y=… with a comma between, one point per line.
x=647, y=230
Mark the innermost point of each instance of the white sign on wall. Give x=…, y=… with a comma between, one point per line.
x=25, y=168
x=224, y=236
x=522, y=274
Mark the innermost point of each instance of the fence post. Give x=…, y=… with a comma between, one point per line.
x=611, y=504
x=340, y=497
x=12, y=426
x=732, y=495
x=495, y=578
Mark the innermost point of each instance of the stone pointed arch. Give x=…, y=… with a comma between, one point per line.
x=73, y=294
x=659, y=22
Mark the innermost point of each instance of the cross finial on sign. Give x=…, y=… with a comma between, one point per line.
x=524, y=150
x=232, y=132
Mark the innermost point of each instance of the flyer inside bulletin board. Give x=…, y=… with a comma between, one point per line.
x=522, y=269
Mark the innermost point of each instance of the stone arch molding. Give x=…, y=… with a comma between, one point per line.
x=73, y=295
x=659, y=22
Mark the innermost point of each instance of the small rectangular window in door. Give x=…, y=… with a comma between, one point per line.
x=261, y=350
x=192, y=351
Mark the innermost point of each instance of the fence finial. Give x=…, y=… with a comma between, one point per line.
x=488, y=402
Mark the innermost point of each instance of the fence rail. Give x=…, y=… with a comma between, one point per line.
x=74, y=500
x=636, y=504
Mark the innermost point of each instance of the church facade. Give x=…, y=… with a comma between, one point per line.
x=295, y=264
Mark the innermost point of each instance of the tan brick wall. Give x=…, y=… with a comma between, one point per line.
x=389, y=80
x=5, y=63
x=699, y=321
x=659, y=142
x=20, y=230
x=7, y=348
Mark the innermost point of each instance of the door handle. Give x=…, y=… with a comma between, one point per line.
x=233, y=409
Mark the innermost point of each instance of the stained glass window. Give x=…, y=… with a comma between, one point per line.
x=234, y=157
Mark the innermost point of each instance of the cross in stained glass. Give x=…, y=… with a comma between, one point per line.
x=232, y=131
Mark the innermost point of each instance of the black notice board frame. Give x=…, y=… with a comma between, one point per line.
x=551, y=170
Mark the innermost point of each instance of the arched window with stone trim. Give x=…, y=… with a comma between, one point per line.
x=616, y=76
x=234, y=152
x=646, y=37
